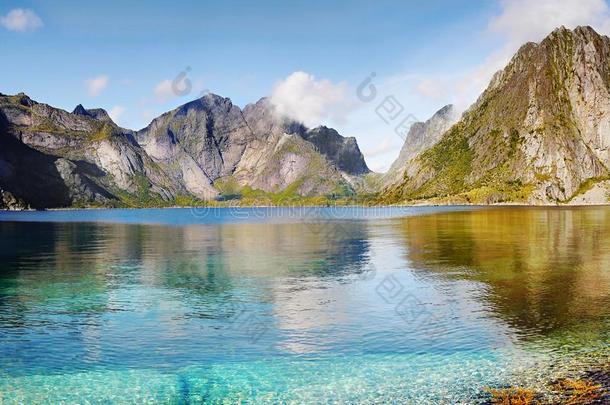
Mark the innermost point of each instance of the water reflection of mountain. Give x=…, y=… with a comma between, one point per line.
x=78, y=249
x=73, y=275
x=545, y=269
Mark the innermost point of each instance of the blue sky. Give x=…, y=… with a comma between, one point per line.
x=123, y=55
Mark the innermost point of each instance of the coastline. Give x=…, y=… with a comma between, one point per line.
x=373, y=206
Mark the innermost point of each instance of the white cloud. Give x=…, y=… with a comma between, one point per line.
x=387, y=145
x=430, y=88
x=96, y=85
x=518, y=22
x=304, y=98
x=164, y=92
x=378, y=166
x=116, y=113
x=21, y=20
x=422, y=93
x=522, y=21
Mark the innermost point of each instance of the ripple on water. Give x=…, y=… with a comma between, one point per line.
x=455, y=302
x=357, y=379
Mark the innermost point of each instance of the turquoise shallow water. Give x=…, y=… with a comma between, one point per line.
x=316, y=305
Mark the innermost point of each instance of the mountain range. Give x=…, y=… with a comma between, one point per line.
x=207, y=149
x=539, y=134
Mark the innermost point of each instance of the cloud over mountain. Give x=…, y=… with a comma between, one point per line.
x=96, y=85
x=303, y=97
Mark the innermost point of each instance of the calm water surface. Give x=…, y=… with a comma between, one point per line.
x=298, y=306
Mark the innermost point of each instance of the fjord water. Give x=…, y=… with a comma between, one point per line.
x=320, y=305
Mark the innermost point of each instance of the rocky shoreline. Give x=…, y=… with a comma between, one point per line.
x=8, y=202
x=592, y=387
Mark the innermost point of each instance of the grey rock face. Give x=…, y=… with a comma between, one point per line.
x=198, y=142
x=31, y=176
x=9, y=202
x=84, y=158
x=211, y=129
x=211, y=140
x=538, y=133
x=344, y=152
x=52, y=158
x=96, y=113
x=264, y=120
x=80, y=188
x=421, y=136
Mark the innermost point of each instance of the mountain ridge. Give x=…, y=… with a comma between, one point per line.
x=186, y=155
x=420, y=137
x=538, y=134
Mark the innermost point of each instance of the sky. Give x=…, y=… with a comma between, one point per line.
x=368, y=69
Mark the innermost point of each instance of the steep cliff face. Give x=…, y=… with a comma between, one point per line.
x=212, y=142
x=198, y=142
x=326, y=161
x=95, y=113
x=342, y=151
x=52, y=158
x=421, y=136
x=540, y=133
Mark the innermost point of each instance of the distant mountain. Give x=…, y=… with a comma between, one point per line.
x=421, y=136
x=343, y=152
x=204, y=150
x=212, y=142
x=540, y=133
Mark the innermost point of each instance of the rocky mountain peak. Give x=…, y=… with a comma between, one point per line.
x=538, y=133
x=344, y=152
x=24, y=100
x=211, y=100
x=80, y=110
x=421, y=136
x=202, y=103
x=195, y=151
x=444, y=111
x=264, y=119
x=98, y=114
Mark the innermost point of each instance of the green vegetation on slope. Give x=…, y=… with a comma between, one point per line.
x=233, y=194
x=524, y=136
